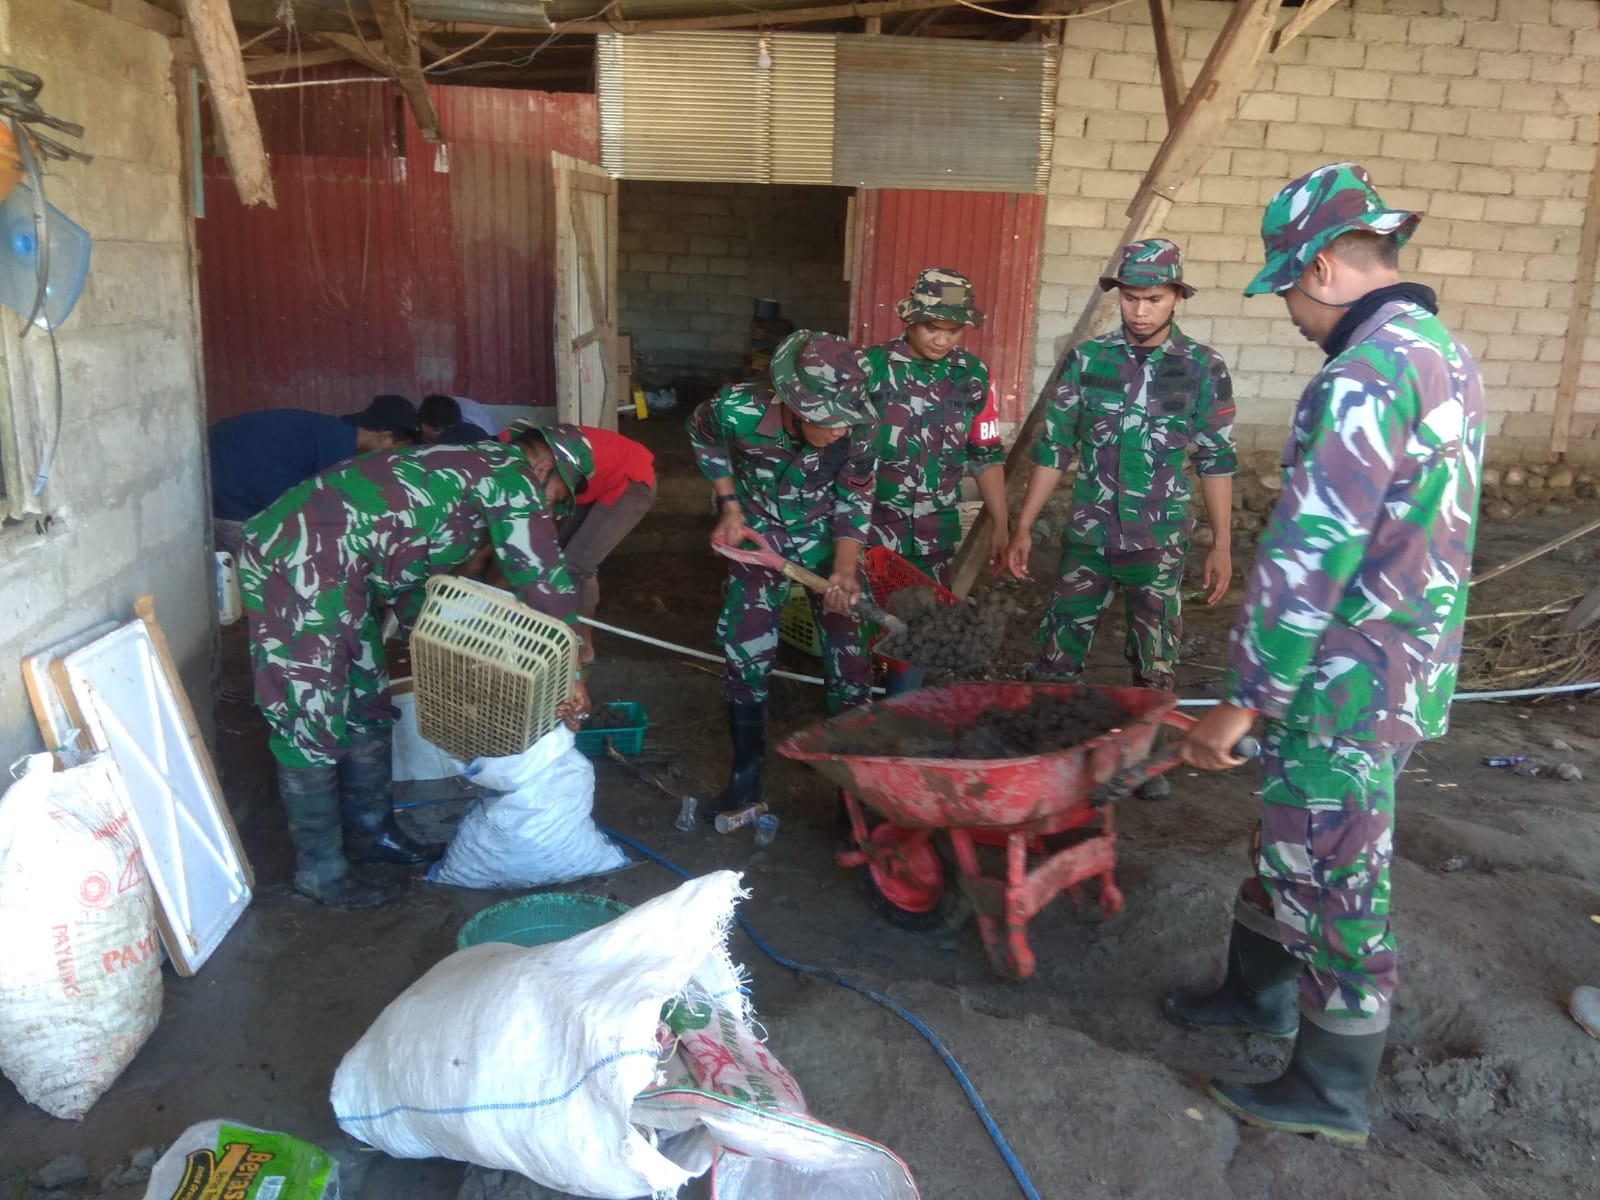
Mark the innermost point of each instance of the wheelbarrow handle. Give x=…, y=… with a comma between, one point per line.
x=1127, y=781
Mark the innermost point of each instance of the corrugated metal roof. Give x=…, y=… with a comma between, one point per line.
x=921, y=113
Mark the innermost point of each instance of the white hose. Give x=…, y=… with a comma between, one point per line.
x=1461, y=697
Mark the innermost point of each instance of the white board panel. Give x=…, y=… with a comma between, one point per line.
x=128, y=703
x=57, y=724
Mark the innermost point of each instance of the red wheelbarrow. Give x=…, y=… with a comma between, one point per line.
x=1051, y=809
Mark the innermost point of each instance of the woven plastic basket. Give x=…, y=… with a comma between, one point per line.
x=539, y=920
x=489, y=671
x=797, y=627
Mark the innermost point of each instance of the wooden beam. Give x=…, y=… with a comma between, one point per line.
x=368, y=54
x=217, y=42
x=1206, y=114
x=1578, y=315
x=401, y=47
x=1300, y=22
x=272, y=63
x=1168, y=60
x=1537, y=552
x=752, y=17
x=1208, y=109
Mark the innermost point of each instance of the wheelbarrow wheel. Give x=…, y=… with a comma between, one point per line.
x=908, y=883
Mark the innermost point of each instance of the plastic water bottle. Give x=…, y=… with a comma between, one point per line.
x=230, y=604
x=19, y=258
x=740, y=817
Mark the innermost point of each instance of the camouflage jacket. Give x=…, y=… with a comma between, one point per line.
x=800, y=497
x=401, y=516
x=928, y=413
x=1352, y=616
x=1130, y=425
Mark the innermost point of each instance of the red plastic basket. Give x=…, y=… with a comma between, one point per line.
x=888, y=573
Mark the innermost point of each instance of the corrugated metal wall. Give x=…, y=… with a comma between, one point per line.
x=992, y=237
x=378, y=272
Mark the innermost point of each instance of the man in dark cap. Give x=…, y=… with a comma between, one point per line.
x=258, y=456
x=791, y=460
x=1347, y=644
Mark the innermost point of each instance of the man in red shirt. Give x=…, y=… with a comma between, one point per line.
x=620, y=489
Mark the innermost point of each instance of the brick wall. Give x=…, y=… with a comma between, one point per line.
x=125, y=509
x=694, y=256
x=1483, y=113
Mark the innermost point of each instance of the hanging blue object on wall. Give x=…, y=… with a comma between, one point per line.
x=67, y=259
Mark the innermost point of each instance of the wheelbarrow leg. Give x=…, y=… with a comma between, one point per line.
x=1110, y=893
x=982, y=893
x=1019, y=960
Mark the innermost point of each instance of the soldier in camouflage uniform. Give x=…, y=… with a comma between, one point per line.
x=1346, y=643
x=1130, y=405
x=936, y=420
x=317, y=567
x=792, y=461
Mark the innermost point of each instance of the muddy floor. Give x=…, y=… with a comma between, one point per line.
x=1488, y=1089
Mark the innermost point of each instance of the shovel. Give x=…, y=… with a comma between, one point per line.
x=1135, y=775
x=765, y=556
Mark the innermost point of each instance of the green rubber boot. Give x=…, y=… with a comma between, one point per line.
x=1323, y=1091
x=1257, y=996
x=311, y=801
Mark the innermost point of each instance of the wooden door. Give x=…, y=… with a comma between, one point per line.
x=586, y=294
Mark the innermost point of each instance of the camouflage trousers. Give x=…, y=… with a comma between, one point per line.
x=320, y=673
x=752, y=602
x=1089, y=576
x=940, y=567
x=1321, y=886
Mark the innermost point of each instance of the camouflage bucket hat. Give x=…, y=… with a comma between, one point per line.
x=1149, y=263
x=573, y=455
x=822, y=377
x=940, y=295
x=1313, y=210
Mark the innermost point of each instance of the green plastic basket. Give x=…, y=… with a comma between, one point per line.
x=628, y=737
x=539, y=919
x=796, y=627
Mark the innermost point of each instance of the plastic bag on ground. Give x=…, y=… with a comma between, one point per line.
x=237, y=1162
x=80, y=952
x=618, y=1063
x=536, y=827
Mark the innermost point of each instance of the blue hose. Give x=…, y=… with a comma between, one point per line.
x=878, y=998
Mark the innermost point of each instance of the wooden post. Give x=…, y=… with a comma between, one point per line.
x=1578, y=315
x=405, y=59
x=1206, y=114
x=1300, y=22
x=1167, y=59
x=217, y=42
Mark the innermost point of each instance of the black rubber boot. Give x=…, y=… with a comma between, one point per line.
x=311, y=799
x=366, y=803
x=1323, y=1091
x=1257, y=996
x=747, y=724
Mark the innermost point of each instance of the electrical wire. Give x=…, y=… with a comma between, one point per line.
x=1460, y=697
x=1007, y=1155
x=1017, y=16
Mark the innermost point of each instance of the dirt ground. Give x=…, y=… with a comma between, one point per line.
x=1488, y=1089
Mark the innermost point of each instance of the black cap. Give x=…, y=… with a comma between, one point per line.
x=463, y=433
x=387, y=414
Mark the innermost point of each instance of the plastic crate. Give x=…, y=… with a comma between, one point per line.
x=796, y=626
x=489, y=671
x=539, y=920
x=888, y=573
x=628, y=738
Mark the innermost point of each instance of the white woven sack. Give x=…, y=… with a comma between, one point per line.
x=80, y=954
x=530, y=1060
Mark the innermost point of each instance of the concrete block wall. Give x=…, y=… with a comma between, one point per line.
x=695, y=256
x=124, y=511
x=1483, y=113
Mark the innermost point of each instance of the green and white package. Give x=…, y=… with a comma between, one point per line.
x=220, y=1160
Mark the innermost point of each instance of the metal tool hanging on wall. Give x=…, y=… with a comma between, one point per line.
x=21, y=148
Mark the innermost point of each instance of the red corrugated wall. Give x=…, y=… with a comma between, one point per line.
x=378, y=271
x=992, y=237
